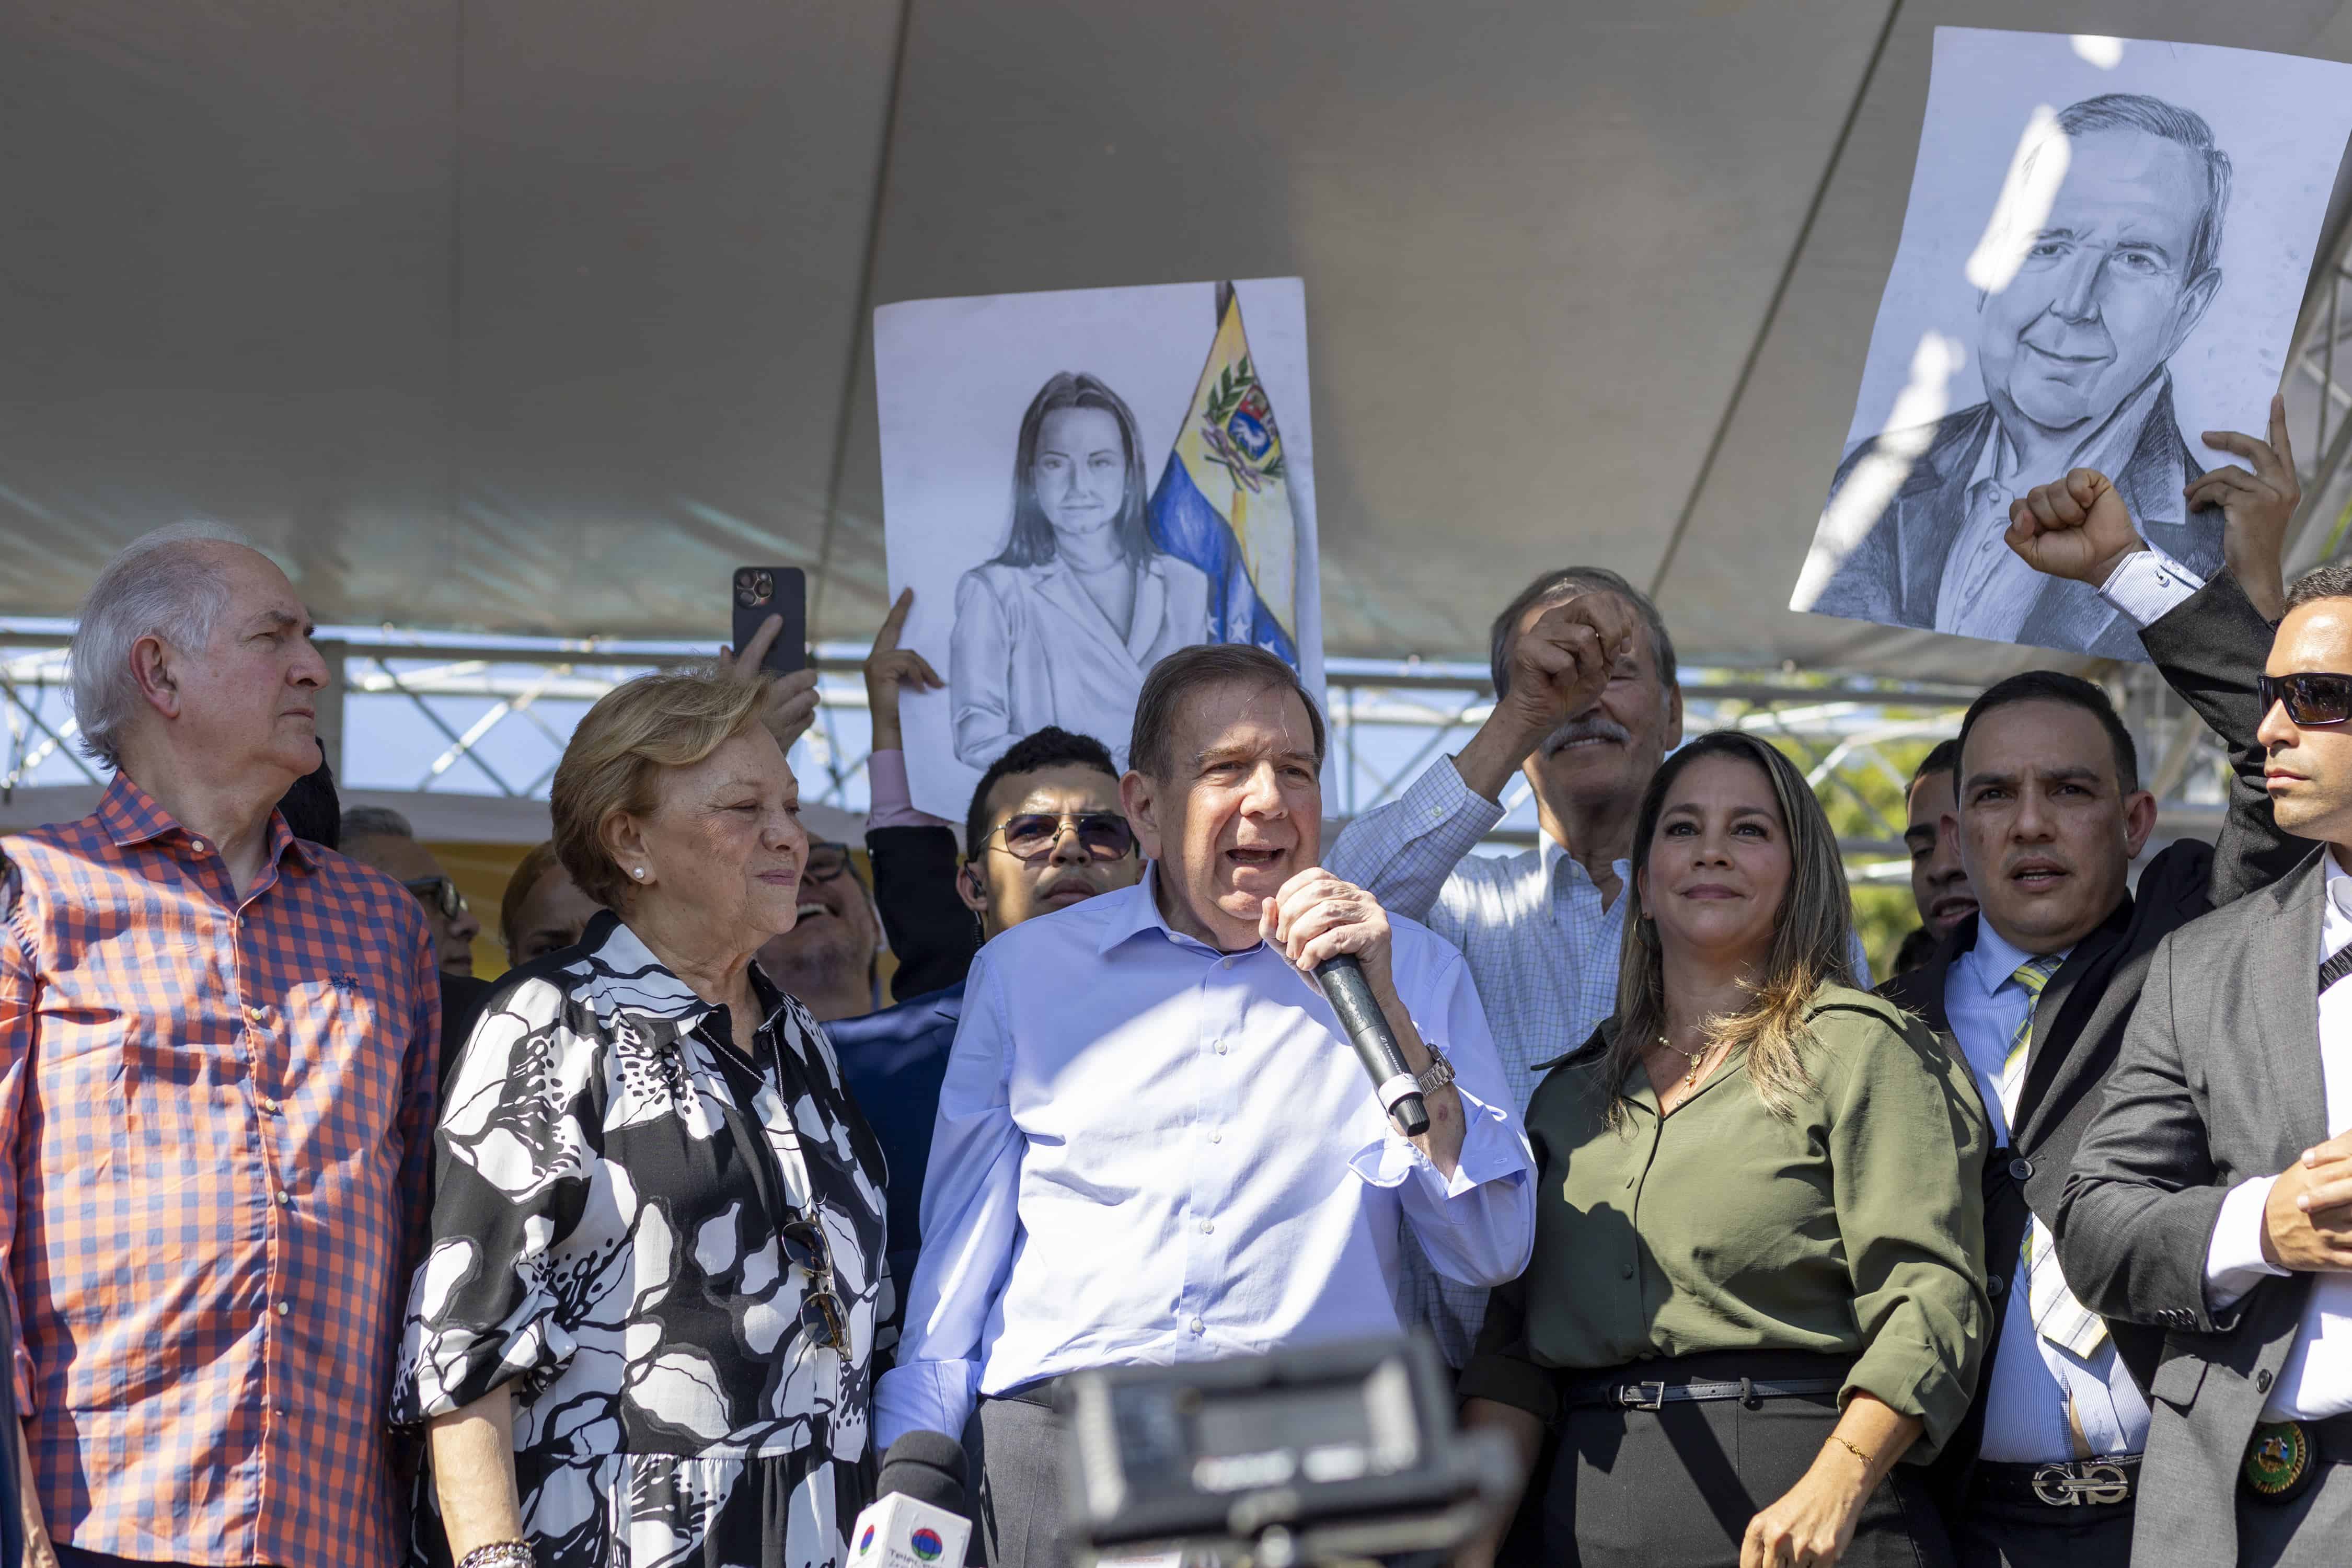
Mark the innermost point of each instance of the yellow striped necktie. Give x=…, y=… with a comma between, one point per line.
x=2057, y=1316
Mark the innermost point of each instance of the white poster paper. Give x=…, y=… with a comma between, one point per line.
x=1077, y=484
x=2106, y=245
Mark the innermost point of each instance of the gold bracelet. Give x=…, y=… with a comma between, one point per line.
x=1850, y=1448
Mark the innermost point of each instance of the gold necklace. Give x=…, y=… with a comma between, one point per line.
x=1690, y=1079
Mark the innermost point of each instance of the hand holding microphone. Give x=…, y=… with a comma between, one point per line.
x=1338, y=933
x=918, y=1518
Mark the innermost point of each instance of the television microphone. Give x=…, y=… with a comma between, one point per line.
x=1350, y=995
x=918, y=1518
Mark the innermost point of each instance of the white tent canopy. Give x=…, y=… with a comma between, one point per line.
x=537, y=316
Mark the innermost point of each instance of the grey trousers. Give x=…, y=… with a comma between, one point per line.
x=2315, y=1530
x=2029, y=1535
x=1015, y=1449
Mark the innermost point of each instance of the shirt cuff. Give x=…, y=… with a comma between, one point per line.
x=2148, y=585
x=2234, y=1263
x=1489, y=1154
x=1439, y=796
x=892, y=799
x=924, y=1396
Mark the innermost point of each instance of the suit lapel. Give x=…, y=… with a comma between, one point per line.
x=1058, y=588
x=2083, y=983
x=1930, y=510
x=2284, y=971
x=1150, y=611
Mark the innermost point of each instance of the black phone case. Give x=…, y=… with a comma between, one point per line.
x=786, y=593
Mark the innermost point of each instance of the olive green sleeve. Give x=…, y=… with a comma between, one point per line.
x=1907, y=1140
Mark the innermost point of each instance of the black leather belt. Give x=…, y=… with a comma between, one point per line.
x=2069, y=1483
x=1652, y=1395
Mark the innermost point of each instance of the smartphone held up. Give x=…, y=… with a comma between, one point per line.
x=761, y=592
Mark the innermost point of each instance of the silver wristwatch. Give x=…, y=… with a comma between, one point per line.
x=1440, y=1073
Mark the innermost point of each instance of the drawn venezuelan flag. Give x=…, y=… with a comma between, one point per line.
x=1223, y=501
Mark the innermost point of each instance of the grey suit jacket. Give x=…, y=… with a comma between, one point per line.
x=1895, y=575
x=2219, y=1081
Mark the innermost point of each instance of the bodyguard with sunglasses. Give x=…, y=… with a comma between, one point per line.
x=646, y=1326
x=2212, y=1198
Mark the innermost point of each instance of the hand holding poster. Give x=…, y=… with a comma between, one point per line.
x=1047, y=600
x=2105, y=249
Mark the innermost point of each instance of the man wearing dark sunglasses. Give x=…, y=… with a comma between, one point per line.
x=2211, y=1198
x=379, y=836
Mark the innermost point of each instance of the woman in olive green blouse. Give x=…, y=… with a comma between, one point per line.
x=1755, y=1286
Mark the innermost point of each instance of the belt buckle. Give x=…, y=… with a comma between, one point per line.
x=2054, y=1484
x=2103, y=1483
x=1641, y=1395
x=2071, y=1485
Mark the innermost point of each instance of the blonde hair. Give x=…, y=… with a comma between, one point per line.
x=1811, y=936
x=673, y=719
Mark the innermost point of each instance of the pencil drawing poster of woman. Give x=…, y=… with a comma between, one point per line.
x=1074, y=485
x=1062, y=625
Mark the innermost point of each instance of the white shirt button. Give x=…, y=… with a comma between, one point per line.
x=1220, y=1047
x=287, y=1198
x=1198, y=1326
x=284, y=1307
x=1216, y=1134
x=1208, y=1228
x=269, y=1106
x=256, y=1013
x=197, y=844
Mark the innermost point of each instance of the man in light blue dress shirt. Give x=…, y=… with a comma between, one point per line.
x=1154, y=1144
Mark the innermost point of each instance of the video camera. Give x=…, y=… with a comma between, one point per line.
x=1338, y=1453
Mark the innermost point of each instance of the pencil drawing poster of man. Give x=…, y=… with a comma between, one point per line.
x=2128, y=283
x=1078, y=484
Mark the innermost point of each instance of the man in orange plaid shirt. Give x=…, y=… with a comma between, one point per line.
x=218, y=1048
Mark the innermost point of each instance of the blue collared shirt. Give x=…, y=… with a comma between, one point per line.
x=1151, y=1152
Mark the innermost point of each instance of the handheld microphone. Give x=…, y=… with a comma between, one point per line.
x=1350, y=995
x=917, y=1519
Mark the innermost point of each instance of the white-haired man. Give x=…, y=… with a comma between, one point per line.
x=217, y=1052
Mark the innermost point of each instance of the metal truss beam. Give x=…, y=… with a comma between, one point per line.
x=1856, y=739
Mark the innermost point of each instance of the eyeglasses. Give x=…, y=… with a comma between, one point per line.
x=821, y=1319
x=438, y=893
x=1031, y=836
x=2310, y=699
x=827, y=860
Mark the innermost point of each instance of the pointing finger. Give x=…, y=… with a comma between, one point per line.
x=895, y=622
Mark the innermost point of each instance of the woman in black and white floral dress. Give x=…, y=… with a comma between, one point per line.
x=643, y=1330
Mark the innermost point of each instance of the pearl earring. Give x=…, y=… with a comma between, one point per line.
x=638, y=872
